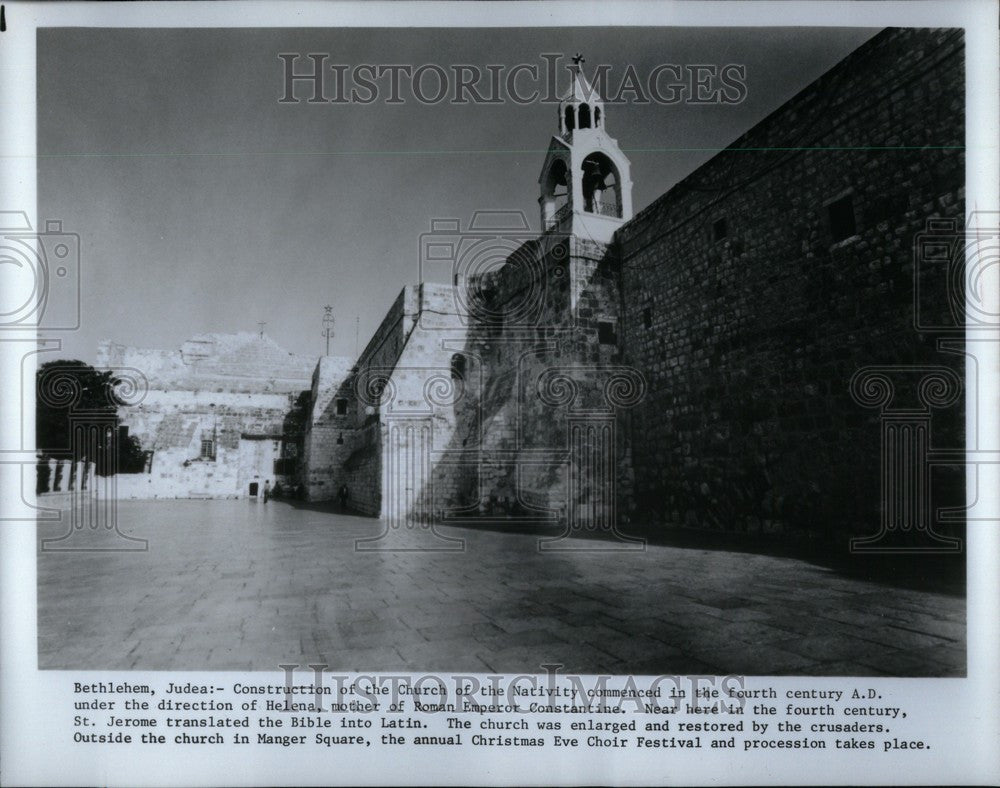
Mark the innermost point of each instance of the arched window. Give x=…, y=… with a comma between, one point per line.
x=584, y=116
x=458, y=367
x=557, y=183
x=570, y=119
x=555, y=194
x=597, y=117
x=602, y=191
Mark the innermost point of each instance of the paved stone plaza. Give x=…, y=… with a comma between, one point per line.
x=240, y=585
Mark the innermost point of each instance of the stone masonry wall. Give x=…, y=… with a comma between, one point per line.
x=330, y=434
x=362, y=470
x=749, y=313
x=422, y=403
x=236, y=390
x=246, y=430
x=215, y=362
x=536, y=366
x=347, y=448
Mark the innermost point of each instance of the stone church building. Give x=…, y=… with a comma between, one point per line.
x=691, y=364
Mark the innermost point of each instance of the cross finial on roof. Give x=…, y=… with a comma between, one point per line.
x=578, y=60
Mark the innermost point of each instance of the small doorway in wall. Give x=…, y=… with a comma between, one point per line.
x=253, y=489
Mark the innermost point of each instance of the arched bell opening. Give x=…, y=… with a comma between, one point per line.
x=555, y=193
x=602, y=191
x=597, y=117
x=570, y=119
x=584, y=116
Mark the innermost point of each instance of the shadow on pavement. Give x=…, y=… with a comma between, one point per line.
x=918, y=571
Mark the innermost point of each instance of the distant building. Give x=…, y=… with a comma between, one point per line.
x=218, y=419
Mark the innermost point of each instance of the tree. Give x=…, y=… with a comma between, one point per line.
x=65, y=387
x=131, y=457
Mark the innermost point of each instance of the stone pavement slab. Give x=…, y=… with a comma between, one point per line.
x=236, y=585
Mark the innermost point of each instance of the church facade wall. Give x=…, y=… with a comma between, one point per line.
x=537, y=365
x=760, y=284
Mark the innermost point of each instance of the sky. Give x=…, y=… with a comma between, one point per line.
x=205, y=205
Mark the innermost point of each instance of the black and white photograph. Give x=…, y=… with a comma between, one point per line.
x=683, y=416
x=540, y=349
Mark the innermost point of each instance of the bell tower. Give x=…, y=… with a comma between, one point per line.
x=585, y=184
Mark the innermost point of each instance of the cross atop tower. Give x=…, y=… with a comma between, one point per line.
x=328, y=323
x=580, y=106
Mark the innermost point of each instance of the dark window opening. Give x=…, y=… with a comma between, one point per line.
x=647, y=317
x=602, y=192
x=584, y=116
x=458, y=367
x=208, y=450
x=556, y=193
x=606, y=333
x=341, y=407
x=286, y=466
x=842, y=224
x=570, y=119
x=597, y=117
x=719, y=229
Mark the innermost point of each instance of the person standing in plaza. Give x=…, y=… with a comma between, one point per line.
x=267, y=490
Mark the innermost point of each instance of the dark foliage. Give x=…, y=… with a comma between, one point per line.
x=71, y=392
